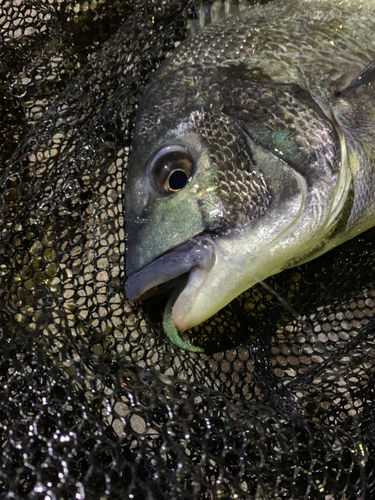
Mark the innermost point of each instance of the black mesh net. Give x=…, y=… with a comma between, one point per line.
x=95, y=402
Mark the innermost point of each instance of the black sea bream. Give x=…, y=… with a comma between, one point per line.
x=253, y=152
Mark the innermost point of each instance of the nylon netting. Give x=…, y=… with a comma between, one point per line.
x=95, y=403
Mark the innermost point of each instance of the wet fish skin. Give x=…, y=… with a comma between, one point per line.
x=283, y=161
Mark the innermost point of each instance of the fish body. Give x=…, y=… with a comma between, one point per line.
x=253, y=152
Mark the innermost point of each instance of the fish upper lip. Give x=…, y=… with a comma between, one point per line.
x=196, y=253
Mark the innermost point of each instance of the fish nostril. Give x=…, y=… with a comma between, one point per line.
x=143, y=213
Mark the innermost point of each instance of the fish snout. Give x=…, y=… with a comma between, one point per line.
x=197, y=253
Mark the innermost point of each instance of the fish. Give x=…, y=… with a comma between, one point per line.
x=252, y=152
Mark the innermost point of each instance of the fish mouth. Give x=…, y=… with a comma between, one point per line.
x=195, y=256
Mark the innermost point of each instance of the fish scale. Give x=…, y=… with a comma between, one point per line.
x=248, y=198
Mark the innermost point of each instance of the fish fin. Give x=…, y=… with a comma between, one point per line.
x=354, y=107
x=363, y=83
x=344, y=80
x=205, y=14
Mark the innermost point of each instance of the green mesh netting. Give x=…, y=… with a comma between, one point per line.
x=95, y=403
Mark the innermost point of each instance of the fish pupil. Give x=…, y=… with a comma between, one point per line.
x=177, y=180
x=171, y=169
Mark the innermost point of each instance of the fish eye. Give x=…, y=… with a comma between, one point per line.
x=171, y=169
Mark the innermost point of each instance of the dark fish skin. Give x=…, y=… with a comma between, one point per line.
x=275, y=109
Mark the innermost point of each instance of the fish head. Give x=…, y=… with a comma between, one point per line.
x=226, y=190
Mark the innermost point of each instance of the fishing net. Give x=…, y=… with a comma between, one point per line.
x=95, y=402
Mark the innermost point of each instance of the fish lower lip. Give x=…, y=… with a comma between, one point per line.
x=197, y=253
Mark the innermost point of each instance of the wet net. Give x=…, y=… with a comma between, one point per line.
x=95, y=402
